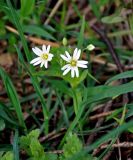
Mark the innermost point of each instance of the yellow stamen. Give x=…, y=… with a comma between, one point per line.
x=73, y=63
x=44, y=56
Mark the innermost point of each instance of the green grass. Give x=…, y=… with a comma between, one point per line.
x=60, y=102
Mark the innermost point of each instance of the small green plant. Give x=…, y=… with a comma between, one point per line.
x=72, y=146
x=31, y=145
x=7, y=156
x=54, y=80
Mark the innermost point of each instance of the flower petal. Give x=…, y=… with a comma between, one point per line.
x=37, y=51
x=66, y=71
x=82, y=65
x=75, y=53
x=50, y=56
x=65, y=58
x=42, y=64
x=48, y=48
x=46, y=64
x=68, y=55
x=35, y=60
x=44, y=49
x=78, y=53
x=38, y=62
x=65, y=67
x=72, y=72
x=82, y=62
x=76, y=71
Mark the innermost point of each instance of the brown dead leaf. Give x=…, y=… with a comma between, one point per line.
x=6, y=60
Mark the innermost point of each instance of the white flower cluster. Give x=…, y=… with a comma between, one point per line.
x=73, y=62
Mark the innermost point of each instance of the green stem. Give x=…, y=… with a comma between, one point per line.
x=76, y=100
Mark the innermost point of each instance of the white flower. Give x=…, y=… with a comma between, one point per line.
x=73, y=63
x=43, y=56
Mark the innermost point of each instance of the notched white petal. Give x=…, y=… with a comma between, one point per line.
x=82, y=62
x=46, y=64
x=75, y=53
x=50, y=56
x=65, y=58
x=66, y=71
x=48, y=48
x=44, y=48
x=68, y=55
x=38, y=62
x=76, y=71
x=78, y=54
x=72, y=72
x=65, y=67
x=42, y=64
x=35, y=60
x=82, y=65
x=36, y=51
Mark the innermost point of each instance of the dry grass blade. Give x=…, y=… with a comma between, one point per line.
x=35, y=40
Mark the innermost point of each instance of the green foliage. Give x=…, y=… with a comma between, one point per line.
x=36, y=30
x=2, y=124
x=73, y=98
x=27, y=7
x=6, y=115
x=35, y=150
x=7, y=156
x=32, y=146
x=112, y=19
x=95, y=8
x=127, y=74
x=72, y=146
x=12, y=94
x=35, y=81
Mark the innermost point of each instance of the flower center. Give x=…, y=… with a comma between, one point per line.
x=44, y=56
x=73, y=63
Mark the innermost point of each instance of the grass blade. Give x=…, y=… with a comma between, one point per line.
x=12, y=94
x=28, y=56
x=15, y=146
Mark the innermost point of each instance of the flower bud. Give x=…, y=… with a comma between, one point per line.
x=90, y=47
x=64, y=41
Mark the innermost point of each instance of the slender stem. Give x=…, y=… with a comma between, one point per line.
x=110, y=47
x=76, y=108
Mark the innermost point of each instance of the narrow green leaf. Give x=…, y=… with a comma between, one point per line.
x=103, y=139
x=30, y=69
x=15, y=146
x=12, y=94
x=81, y=34
x=127, y=74
x=95, y=8
x=112, y=19
x=96, y=94
x=27, y=7
x=102, y=92
x=2, y=124
x=36, y=30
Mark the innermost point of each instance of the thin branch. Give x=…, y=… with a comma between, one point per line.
x=120, y=145
x=53, y=11
x=109, y=44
